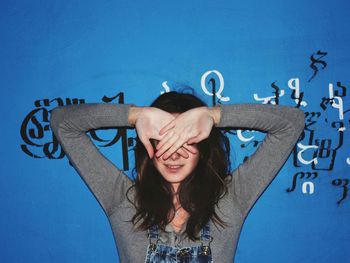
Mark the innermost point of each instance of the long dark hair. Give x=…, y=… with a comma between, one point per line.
x=199, y=192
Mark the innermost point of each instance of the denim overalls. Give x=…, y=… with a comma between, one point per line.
x=158, y=253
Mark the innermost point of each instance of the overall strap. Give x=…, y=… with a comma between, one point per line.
x=205, y=235
x=153, y=234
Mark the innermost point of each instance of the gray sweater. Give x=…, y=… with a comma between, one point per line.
x=109, y=184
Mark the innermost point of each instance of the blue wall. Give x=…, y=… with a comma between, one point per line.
x=285, y=52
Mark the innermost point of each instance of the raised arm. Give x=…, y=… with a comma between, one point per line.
x=283, y=125
x=70, y=124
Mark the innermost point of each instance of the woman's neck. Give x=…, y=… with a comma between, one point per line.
x=176, y=201
x=175, y=187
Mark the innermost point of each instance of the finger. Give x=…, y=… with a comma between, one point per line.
x=183, y=153
x=177, y=145
x=158, y=137
x=167, y=127
x=196, y=139
x=190, y=148
x=164, y=140
x=167, y=145
x=148, y=146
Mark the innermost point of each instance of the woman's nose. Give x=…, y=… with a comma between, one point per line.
x=175, y=156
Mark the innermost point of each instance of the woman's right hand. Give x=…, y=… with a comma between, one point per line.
x=148, y=122
x=191, y=127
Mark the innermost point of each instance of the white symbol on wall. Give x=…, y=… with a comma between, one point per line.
x=348, y=160
x=221, y=86
x=308, y=188
x=337, y=105
x=294, y=84
x=166, y=87
x=268, y=99
x=303, y=149
x=242, y=138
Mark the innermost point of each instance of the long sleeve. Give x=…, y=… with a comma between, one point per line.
x=283, y=125
x=70, y=124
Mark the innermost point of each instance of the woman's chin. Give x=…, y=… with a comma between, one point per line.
x=174, y=178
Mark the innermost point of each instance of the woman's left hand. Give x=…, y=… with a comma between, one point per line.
x=189, y=127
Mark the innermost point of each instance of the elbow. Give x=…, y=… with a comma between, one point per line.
x=299, y=120
x=56, y=117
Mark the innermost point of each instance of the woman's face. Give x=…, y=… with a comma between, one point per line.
x=176, y=168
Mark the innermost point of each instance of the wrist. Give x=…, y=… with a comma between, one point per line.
x=134, y=112
x=215, y=113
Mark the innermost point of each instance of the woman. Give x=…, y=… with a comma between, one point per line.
x=184, y=205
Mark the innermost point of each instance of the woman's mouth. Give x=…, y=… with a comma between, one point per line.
x=173, y=168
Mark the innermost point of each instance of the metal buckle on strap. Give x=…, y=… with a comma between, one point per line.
x=206, y=251
x=183, y=252
x=211, y=239
x=152, y=246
